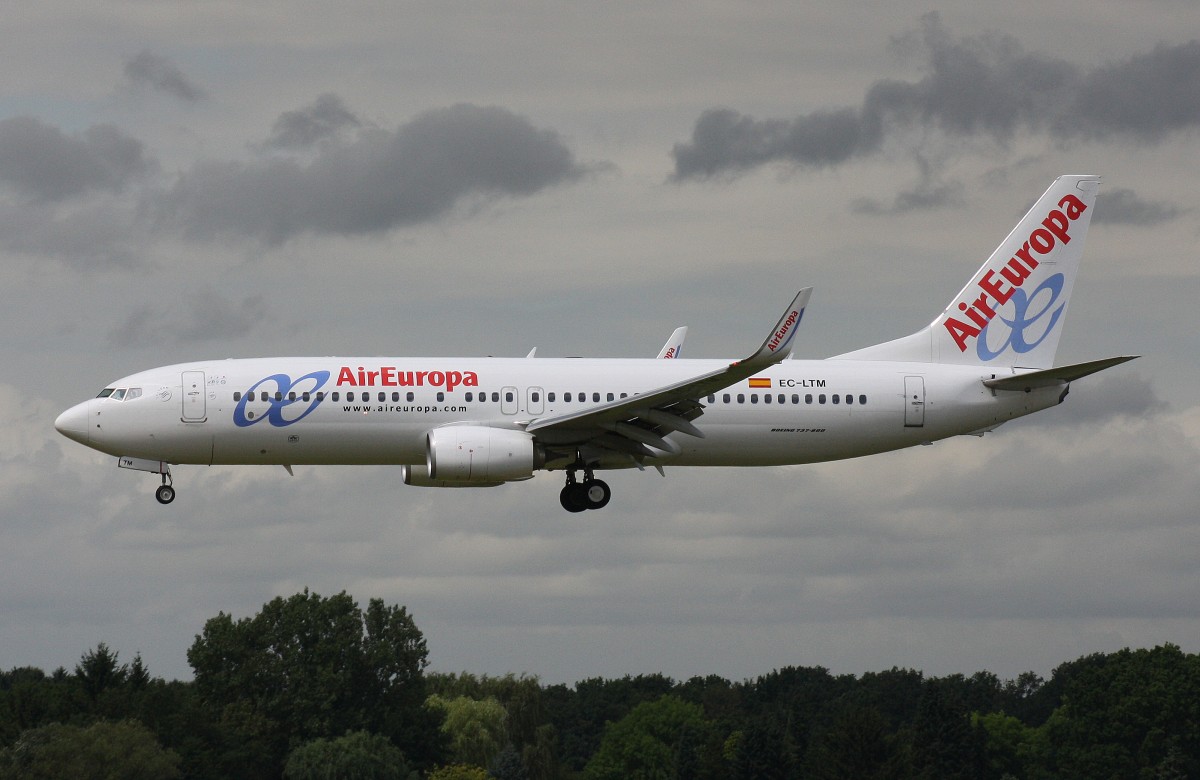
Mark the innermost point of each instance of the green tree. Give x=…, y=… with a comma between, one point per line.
x=355, y=756
x=459, y=772
x=102, y=751
x=98, y=671
x=645, y=743
x=476, y=728
x=309, y=667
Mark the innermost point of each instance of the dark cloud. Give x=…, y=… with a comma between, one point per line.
x=980, y=87
x=378, y=181
x=41, y=162
x=153, y=71
x=1125, y=207
x=208, y=317
x=324, y=119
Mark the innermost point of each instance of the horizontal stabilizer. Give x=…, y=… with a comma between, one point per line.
x=1050, y=377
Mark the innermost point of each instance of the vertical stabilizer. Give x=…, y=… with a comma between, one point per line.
x=1011, y=312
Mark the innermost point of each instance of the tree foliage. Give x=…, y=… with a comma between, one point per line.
x=317, y=687
x=308, y=667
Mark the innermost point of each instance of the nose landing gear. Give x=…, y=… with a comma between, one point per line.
x=165, y=492
x=591, y=493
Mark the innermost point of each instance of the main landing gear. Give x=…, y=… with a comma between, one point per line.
x=591, y=493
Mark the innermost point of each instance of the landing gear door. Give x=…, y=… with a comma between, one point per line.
x=193, y=397
x=914, y=402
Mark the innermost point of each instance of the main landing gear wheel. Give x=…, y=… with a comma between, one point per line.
x=592, y=493
x=165, y=494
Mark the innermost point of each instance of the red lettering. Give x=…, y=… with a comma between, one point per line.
x=1015, y=273
x=993, y=288
x=1073, y=206
x=960, y=332
x=390, y=376
x=1056, y=222
x=1023, y=253
x=1041, y=241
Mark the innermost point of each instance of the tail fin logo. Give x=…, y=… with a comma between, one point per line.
x=998, y=286
x=1022, y=320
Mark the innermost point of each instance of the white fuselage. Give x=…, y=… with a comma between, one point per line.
x=380, y=410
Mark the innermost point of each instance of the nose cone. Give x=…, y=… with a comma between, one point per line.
x=73, y=423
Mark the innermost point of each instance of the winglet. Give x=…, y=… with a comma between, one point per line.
x=674, y=344
x=778, y=344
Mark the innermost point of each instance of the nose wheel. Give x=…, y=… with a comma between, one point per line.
x=578, y=496
x=165, y=492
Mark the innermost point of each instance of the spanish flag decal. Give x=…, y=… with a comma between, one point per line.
x=760, y=381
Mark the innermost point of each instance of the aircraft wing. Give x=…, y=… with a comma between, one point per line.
x=1049, y=377
x=639, y=424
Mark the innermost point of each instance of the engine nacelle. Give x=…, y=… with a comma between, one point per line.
x=477, y=455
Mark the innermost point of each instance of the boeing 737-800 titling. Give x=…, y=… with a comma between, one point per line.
x=481, y=422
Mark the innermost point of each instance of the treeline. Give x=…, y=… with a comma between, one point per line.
x=315, y=687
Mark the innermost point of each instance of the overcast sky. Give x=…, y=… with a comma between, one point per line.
x=184, y=180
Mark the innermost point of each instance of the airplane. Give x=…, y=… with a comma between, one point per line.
x=987, y=358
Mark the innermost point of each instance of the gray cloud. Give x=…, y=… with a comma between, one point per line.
x=41, y=162
x=208, y=317
x=153, y=71
x=1123, y=206
x=378, y=181
x=978, y=87
x=323, y=120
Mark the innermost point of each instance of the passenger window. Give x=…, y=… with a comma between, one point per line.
x=835, y=398
x=411, y=396
x=495, y=397
x=741, y=398
x=278, y=395
x=292, y=396
x=725, y=398
x=441, y=396
x=508, y=397
x=396, y=396
x=712, y=399
x=754, y=398
x=550, y=397
x=596, y=397
x=767, y=398
x=264, y=395
x=795, y=398
x=382, y=396
x=610, y=396
x=237, y=395
x=305, y=396
x=470, y=396
x=567, y=397
x=320, y=395
x=534, y=397
x=821, y=398
x=334, y=396
x=862, y=399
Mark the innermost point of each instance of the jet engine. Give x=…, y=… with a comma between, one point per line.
x=475, y=456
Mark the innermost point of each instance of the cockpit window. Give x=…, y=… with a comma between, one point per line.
x=134, y=392
x=105, y=393
x=118, y=394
